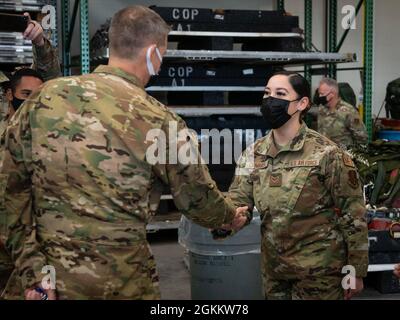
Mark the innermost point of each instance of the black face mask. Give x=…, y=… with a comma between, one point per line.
x=275, y=111
x=322, y=100
x=16, y=103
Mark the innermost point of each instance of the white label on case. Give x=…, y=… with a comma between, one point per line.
x=247, y=72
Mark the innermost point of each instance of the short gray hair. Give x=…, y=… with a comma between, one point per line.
x=134, y=28
x=332, y=83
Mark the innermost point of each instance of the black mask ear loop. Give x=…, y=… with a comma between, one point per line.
x=297, y=109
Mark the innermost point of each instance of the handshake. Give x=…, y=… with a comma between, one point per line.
x=238, y=222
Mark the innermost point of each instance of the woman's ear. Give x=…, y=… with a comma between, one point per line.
x=303, y=104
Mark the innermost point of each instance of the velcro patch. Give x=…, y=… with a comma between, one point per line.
x=275, y=180
x=353, y=179
x=302, y=163
x=348, y=161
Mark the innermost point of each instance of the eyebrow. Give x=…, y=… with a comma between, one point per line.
x=277, y=89
x=282, y=89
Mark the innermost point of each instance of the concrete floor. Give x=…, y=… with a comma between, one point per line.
x=175, y=277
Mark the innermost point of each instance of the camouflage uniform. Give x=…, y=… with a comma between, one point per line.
x=45, y=61
x=4, y=103
x=343, y=125
x=76, y=161
x=5, y=263
x=309, y=196
x=47, y=64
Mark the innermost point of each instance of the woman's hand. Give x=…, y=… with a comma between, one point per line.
x=239, y=220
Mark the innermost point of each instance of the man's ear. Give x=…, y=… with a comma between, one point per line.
x=9, y=95
x=145, y=50
x=153, y=48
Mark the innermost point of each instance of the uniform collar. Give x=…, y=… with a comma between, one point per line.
x=119, y=73
x=10, y=112
x=336, y=107
x=269, y=149
x=338, y=104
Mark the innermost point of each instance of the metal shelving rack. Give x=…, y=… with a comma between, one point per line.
x=173, y=34
x=280, y=5
x=66, y=57
x=20, y=5
x=252, y=58
x=54, y=33
x=68, y=26
x=368, y=64
x=307, y=58
x=308, y=35
x=266, y=56
x=14, y=50
x=332, y=34
x=334, y=47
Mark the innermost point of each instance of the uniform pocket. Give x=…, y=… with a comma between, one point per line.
x=296, y=186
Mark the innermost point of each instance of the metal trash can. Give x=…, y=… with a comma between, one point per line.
x=224, y=270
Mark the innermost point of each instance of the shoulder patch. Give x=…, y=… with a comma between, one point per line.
x=353, y=179
x=348, y=161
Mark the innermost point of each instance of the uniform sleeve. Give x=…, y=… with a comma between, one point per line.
x=3, y=181
x=357, y=128
x=241, y=190
x=344, y=183
x=45, y=61
x=195, y=193
x=20, y=222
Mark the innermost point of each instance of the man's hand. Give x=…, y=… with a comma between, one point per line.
x=350, y=293
x=34, y=32
x=239, y=220
x=33, y=294
x=397, y=271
